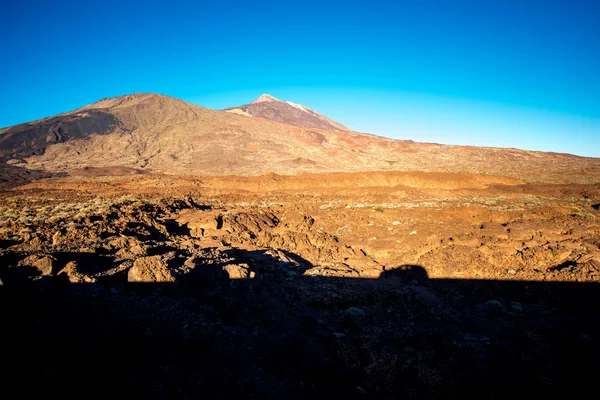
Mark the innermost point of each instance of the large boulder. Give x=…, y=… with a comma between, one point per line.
x=72, y=273
x=202, y=223
x=43, y=263
x=150, y=269
x=238, y=271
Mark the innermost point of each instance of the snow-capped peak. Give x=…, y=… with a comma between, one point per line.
x=263, y=98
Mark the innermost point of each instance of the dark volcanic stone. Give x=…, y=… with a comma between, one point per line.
x=29, y=139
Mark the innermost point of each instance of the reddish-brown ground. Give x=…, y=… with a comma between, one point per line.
x=453, y=224
x=370, y=285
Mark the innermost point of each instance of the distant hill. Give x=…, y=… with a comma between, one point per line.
x=161, y=134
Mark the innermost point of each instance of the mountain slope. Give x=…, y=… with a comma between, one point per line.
x=32, y=138
x=161, y=134
x=286, y=112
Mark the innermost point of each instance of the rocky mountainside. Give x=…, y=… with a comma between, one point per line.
x=160, y=134
x=286, y=112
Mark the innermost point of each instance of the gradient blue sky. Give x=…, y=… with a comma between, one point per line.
x=501, y=73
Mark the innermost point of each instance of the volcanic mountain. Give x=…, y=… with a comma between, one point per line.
x=286, y=112
x=161, y=134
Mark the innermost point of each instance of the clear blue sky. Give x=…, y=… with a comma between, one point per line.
x=485, y=72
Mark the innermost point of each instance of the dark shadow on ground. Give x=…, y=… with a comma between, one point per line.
x=282, y=334
x=406, y=272
x=12, y=176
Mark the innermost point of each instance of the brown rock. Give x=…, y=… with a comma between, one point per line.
x=58, y=238
x=138, y=250
x=128, y=253
x=150, y=269
x=118, y=243
x=43, y=263
x=238, y=271
x=36, y=243
x=201, y=223
x=70, y=270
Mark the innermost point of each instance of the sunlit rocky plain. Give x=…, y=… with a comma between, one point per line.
x=455, y=225
x=167, y=250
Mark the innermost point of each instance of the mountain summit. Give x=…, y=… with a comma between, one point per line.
x=263, y=98
x=286, y=112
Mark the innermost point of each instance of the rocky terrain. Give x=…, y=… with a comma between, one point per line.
x=151, y=248
x=356, y=285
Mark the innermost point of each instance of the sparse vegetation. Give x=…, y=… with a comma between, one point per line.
x=590, y=217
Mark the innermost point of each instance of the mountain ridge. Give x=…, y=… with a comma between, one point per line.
x=161, y=134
